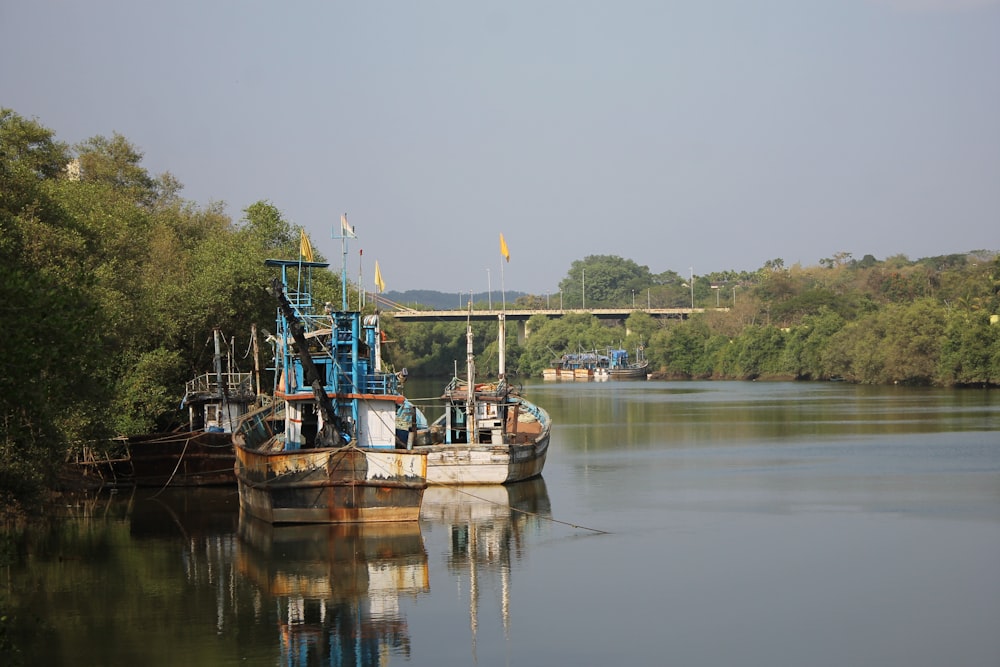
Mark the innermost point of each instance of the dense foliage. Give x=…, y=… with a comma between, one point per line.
x=111, y=285
x=932, y=321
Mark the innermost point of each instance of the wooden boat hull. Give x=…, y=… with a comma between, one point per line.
x=182, y=458
x=630, y=373
x=341, y=485
x=506, y=451
x=485, y=464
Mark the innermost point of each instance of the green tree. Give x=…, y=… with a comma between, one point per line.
x=803, y=351
x=115, y=162
x=607, y=280
x=758, y=352
x=913, y=341
x=51, y=386
x=970, y=350
x=679, y=349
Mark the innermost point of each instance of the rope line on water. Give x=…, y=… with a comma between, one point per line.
x=487, y=500
x=517, y=509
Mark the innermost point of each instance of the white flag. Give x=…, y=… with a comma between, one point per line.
x=345, y=229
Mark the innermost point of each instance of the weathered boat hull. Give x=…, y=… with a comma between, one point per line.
x=506, y=450
x=485, y=464
x=630, y=373
x=342, y=485
x=182, y=458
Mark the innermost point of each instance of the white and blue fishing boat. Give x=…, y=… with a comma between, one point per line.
x=489, y=433
x=326, y=450
x=622, y=368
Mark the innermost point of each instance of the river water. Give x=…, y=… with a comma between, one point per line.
x=716, y=523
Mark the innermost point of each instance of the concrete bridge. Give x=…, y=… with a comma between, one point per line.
x=521, y=316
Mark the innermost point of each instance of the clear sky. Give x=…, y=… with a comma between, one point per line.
x=684, y=135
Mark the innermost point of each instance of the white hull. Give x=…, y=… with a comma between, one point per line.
x=488, y=433
x=459, y=464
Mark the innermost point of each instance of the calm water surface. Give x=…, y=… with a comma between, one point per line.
x=743, y=524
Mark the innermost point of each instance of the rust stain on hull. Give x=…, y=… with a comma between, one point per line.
x=331, y=486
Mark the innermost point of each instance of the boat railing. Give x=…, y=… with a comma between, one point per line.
x=370, y=383
x=217, y=385
x=458, y=384
x=300, y=301
x=381, y=383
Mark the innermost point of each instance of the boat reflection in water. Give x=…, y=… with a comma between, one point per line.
x=487, y=525
x=336, y=587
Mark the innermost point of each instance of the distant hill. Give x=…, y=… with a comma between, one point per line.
x=447, y=300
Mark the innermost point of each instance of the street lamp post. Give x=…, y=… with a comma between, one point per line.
x=692, y=288
x=489, y=287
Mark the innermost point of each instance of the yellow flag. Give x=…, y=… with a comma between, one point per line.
x=378, y=278
x=345, y=229
x=503, y=249
x=305, y=248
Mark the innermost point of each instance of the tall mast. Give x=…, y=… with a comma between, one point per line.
x=502, y=341
x=470, y=370
x=343, y=272
x=256, y=358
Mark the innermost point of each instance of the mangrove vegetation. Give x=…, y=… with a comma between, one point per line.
x=111, y=285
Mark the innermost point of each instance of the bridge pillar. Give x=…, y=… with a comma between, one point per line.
x=522, y=331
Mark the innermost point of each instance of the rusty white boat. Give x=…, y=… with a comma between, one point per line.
x=326, y=450
x=489, y=433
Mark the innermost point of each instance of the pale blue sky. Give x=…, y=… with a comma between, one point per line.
x=681, y=134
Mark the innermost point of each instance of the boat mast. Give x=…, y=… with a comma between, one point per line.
x=218, y=363
x=470, y=372
x=256, y=358
x=343, y=267
x=502, y=335
x=222, y=416
x=347, y=232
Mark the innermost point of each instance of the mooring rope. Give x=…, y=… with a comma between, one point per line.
x=517, y=509
x=171, y=478
x=459, y=489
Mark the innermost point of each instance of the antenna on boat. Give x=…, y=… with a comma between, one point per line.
x=346, y=232
x=361, y=283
